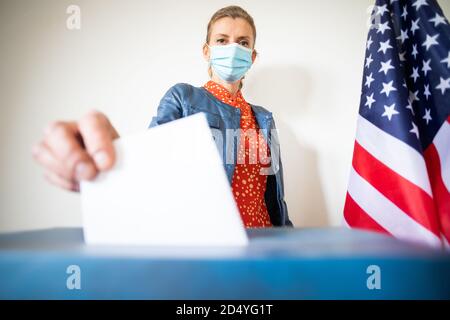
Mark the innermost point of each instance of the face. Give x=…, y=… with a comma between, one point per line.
x=228, y=30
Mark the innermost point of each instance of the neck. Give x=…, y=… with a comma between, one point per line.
x=232, y=88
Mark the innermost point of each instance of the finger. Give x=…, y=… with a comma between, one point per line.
x=59, y=181
x=98, y=134
x=63, y=143
x=43, y=155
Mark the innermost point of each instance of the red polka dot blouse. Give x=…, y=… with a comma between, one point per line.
x=248, y=185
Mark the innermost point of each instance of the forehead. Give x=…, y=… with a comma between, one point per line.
x=238, y=27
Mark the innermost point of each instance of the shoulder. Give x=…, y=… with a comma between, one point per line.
x=260, y=111
x=182, y=89
x=185, y=93
x=260, y=108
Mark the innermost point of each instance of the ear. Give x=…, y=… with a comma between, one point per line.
x=206, y=52
x=254, y=54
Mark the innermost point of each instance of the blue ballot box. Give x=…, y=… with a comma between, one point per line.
x=279, y=263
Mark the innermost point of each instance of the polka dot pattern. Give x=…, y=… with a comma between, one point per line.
x=248, y=185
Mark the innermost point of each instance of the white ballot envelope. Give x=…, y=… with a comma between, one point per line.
x=167, y=188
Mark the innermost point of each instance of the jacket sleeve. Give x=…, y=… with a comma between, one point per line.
x=274, y=195
x=171, y=106
x=287, y=222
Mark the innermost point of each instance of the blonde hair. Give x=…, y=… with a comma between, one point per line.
x=232, y=12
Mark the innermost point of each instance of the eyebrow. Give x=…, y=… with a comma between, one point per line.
x=226, y=36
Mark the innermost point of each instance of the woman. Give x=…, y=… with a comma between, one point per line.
x=75, y=151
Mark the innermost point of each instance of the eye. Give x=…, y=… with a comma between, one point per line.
x=244, y=43
x=222, y=41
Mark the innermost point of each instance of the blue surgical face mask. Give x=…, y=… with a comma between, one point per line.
x=230, y=62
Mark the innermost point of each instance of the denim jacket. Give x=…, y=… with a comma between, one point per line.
x=183, y=100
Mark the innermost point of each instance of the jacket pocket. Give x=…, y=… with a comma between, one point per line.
x=213, y=120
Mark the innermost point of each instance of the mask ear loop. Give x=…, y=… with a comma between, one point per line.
x=209, y=60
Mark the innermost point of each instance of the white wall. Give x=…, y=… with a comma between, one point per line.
x=128, y=53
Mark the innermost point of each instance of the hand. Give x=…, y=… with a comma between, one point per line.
x=76, y=150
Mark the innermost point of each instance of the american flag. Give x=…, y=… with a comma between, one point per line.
x=400, y=177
